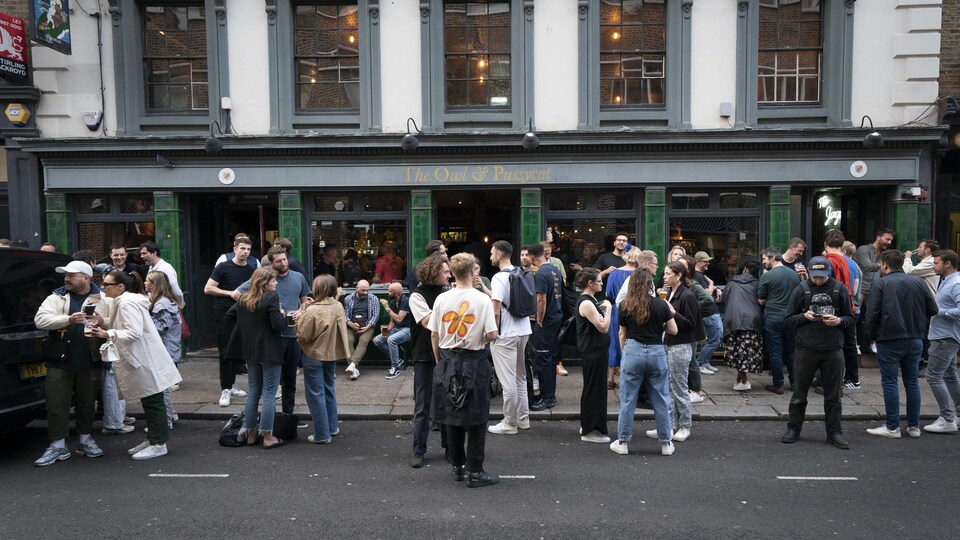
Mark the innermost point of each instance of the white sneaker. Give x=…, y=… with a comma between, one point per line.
x=353, y=371
x=681, y=435
x=708, y=369
x=175, y=387
x=279, y=395
x=151, y=451
x=742, y=386
x=503, y=428
x=619, y=447
x=523, y=424
x=941, y=426
x=913, y=432
x=234, y=391
x=536, y=385
x=667, y=449
x=695, y=397
x=652, y=434
x=883, y=431
x=225, y=398
x=595, y=437
x=139, y=447
x=873, y=348
x=122, y=430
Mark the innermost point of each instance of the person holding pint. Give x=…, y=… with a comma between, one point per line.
x=593, y=341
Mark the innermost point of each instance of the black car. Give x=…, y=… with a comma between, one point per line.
x=26, y=279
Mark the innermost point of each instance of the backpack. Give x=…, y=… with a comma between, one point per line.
x=522, y=298
x=808, y=295
x=230, y=434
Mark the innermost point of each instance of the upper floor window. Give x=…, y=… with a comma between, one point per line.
x=790, y=51
x=327, y=57
x=632, y=52
x=175, y=59
x=477, y=54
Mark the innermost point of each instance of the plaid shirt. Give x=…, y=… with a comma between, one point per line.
x=373, y=308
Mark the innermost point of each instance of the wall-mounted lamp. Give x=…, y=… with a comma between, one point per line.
x=410, y=141
x=164, y=162
x=213, y=145
x=874, y=139
x=530, y=140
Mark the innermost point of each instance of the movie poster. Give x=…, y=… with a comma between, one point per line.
x=51, y=24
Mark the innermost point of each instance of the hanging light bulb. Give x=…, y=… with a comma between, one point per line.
x=616, y=36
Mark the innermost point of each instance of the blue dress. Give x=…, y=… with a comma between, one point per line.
x=614, y=282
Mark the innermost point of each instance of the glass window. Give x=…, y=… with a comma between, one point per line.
x=385, y=202
x=477, y=54
x=727, y=239
x=581, y=241
x=790, y=51
x=136, y=205
x=93, y=205
x=99, y=236
x=632, y=52
x=614, y=201
x=566, y=201
x=333, y=203
x=690, y=201
x=327, y=56
x=175, y=58
x=24, y=284
x=736, y=199
x=357, y=245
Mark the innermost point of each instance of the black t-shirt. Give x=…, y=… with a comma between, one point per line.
x=77, y=346
x=549, y=282
x=229, y=276
x=792, y=265
x=650, y=332
x=607, y=260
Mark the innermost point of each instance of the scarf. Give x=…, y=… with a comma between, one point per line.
x=841, y=272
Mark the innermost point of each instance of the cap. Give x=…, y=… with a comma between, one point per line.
x=819, y=267
x=702, y=256
x=76, y=267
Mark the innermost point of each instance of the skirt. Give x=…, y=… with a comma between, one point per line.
x=744, y=351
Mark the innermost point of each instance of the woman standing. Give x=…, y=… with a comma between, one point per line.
x=322, y=334
x=144, y=369
x=743, y=324
x=614, y=283
x=593, y=341
x=256, y=339
x=680, y=347
x=166, y=317
x=642, y=322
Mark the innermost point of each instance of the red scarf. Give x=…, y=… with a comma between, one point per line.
x=841, y=272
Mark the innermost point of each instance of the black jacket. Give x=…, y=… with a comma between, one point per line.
x=816, y=335
x=742, y=311
x=900, y=307
x=256, y=337
x=689, y=322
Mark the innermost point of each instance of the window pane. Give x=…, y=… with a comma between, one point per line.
x=633, y=50
x=327, y=57
x=136, y=205
x=727, y=239
x=690, y=201
x=357, y=244
x=614, y=201
x=790, y=48
x=566, y=201
x=333, y=203
x=98, y=237
x=477, y=79
x=93, y=205
x=386, y=202
x=746, y=199
x=581, y=241
x=175, y=51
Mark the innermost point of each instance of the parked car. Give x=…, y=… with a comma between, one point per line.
x=26, y=279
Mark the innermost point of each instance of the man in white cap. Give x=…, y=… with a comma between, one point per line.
x=75, y=376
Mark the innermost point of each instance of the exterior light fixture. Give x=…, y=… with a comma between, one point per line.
x=874, y=139
x=410, y=141
x=530, y=140
x=164, y=162
x=213, y=145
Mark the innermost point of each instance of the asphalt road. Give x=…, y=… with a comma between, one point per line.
x=721, y=483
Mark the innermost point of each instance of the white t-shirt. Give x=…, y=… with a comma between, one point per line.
x=510, y=326
x=418, y=307
x=461, y=317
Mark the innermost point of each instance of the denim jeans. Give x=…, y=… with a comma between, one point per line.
x=779, y=343
x=391, y=343
x=714, y=327
x=114, y=408
x=321, y=396
x=644, y=366
x=902, y=355
x=942, y=376
x=262, y=379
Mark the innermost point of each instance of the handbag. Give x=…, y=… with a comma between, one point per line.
x=109, y=352
x=285, y=426
x=568, y=331
x=230, y=434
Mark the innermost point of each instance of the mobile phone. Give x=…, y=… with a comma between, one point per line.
x=89, y=309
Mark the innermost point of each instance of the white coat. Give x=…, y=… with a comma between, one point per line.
x=144, y=368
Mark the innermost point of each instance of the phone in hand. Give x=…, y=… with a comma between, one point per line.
x=89, y=309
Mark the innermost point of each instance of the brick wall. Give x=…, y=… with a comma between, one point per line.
x=17, y=8
x=950, y=49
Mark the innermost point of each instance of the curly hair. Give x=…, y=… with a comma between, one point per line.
x=430, y=269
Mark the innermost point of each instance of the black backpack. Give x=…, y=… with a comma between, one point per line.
x=522, y=298
x=808, y=295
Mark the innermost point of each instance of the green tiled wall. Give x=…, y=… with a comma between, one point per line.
x=906, y=224
x=58, y=222
x=655, y=221
x=778, y=217
x=291, y=222
x=421, y=224
x=168, y=220
x=531, y=216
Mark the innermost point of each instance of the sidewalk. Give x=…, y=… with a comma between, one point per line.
x=372, y=397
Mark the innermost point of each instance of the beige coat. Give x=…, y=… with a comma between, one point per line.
x=322, y=331
x=144, y=368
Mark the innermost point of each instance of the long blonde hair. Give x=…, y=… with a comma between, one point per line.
x=161, y=288
x=258, y=287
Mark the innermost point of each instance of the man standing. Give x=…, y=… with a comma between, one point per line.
x=944, y=339
x=507, y=350
x=712, y=322
x=118, y=255
x=398, y=308
x=776, y=286
x=843, y=271
x=792, y=258
x=363, y=312
x=549, y=287
x=462, y=324
x=923, y=270
x=150, y=254
x=609, y=261
x=817, y=312
x=867, y=258
x=73, y=378
x=224, y=280
x=897, y=315
x=287, y=246
x=293, y=291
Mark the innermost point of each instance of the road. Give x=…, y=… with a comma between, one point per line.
x=722, y=483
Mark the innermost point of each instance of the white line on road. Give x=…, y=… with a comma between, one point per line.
x=835, y=478
x=517, y=476
x=158, y=475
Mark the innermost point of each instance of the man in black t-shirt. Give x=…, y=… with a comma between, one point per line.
x=549, y=287
x=611, y=260
x=118, y=254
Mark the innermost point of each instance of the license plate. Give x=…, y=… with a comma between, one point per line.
x=32, y=371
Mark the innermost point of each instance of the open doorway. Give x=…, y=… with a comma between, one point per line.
x=470, y=221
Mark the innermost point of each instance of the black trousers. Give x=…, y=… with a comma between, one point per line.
x=806, y=362
x=593, y=400
x=288, y=373
x=228, y=374
x=476, y=439
x=851, y=360
x=422, y=403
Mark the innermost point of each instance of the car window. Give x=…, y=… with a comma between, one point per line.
x=24, y=284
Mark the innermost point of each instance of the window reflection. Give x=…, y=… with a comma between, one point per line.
x=350, y=249
x=477, y=54
x=632, y=52
x=327, y=57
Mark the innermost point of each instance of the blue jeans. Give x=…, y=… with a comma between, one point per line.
x=321, y=396
x=714, y=327
x=902, y=355
x=262, y=378
x=644, y=365
x=391, y=343
x=778, y=340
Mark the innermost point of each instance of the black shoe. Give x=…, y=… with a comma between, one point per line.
x=481, y=479
x=837, y=440
x=417, y=461
x=543, y=405
x=775, y=389
x=790, y=437
x=458, y=473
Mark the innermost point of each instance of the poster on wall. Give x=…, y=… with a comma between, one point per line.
x=13, y=63
x=51, y=24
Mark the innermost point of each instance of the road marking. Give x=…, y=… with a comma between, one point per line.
x=158, y=475
x=517, y=476
x=834, y=478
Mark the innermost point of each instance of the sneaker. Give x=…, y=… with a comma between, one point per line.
x=883, y=431
x=536, y=385
x=523, y=424
x=393, y=373
x=651, y=434
x=695, y=397
x=742, y=386
x=234, y=391
x=851, y=384
x=119, y=431
x=667, y=448
x=913, y=432
x=129, y=420
x=481, y=479
x=139, y=447
x=151, y=451
x=941, y=426
x=873, y=348
x=681, y=435
x=707, y=369
x=561, y=370
x=503, y=428
x=52, y=455
x=595, y=437
x=175, y=387
x=302, y=425
x=619, y=447
x=89, y=449
x=315, y=440
x=353, y=371
x=279, y=396
x=416, y=461
x=225, y=398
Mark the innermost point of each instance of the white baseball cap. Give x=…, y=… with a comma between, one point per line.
x=76, y=267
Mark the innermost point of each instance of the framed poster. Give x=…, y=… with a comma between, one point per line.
x=13, y=62
x=51, y=24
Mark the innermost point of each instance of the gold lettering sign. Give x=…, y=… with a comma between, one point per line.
x=476, y=174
